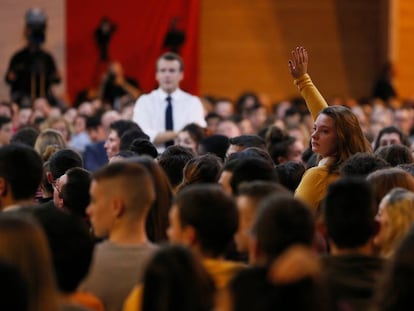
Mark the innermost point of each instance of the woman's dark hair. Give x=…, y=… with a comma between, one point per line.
x=176, y=281
x=157, y=219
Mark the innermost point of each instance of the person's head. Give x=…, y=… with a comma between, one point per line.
x=212, y=120
x=254, y=152
x=95, y=129
x=228, y=128
x=395, y=154
x=173, y=160
x=59, y=124
x=250, y=169
x=391, y=135
x=384, y=180
x=248, y=200
x=142, y=146
x=21, y=171
x=61, y=161
x=121, y=193
x=6, y=132
x=204, y=218
x=190, y=137
x=49, y=137
x=24, y=245
x=216, y=144
x=75, y=191
x=224, y=107
x=403, y=119
x=226, y=175
x=362, y=164
x=176, y=280
x=129, y=136
x=26, y=136
x=169, y=71
x=201, y=169
x=281, y=221
x=282, y=147
x=117, y=129
x=71, y=247
x=396, y=216
x=290, y=174
x=242, y=142
x=396, y=287
x=157, y=219
x=337, y=133
x=349, y=214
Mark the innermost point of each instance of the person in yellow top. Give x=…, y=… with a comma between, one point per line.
x=205, y=219
x=336, y=136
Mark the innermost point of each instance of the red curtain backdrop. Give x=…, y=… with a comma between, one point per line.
x=137, y=42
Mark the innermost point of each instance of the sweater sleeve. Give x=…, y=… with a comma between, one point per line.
x=314, y=99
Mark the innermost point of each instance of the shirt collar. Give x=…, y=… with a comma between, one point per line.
x=173, y=95
x=326, y=161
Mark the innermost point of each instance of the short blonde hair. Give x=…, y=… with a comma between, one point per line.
x=399, y=206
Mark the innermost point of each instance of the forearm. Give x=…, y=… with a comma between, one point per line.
x=163, y=137
x=314, y=99
x=131, y=90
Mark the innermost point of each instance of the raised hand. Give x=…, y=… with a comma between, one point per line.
x=298, y=64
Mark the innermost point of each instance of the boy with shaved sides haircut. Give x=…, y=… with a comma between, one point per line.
x=121, y=196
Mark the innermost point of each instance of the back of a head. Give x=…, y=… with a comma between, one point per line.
x=157, y=220
x=395, y=154
x=212, y=213
x=63, y=160
x=49, y=137
x=216, y=144
x=384, y=180
x=121, y=126
x=142, y=146
x=22, y=169
x=176, y=280
x=246, y=141
x=133, y=181
x=71, y=246
x=75, y=192
x=362, y=164
x=24, y=245
x=129, y=136
x=250, y=169
x=26, y=136
x=349, y=213
x=290, y=174
x=173, y=160
x=259, y=153
x=202, y=169
x=281, y=222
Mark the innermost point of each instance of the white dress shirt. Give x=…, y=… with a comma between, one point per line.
x=149, y=112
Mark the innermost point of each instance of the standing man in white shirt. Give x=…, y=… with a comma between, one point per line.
x=166, y=110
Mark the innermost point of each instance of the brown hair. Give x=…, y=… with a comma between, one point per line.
x=24, y=245
x=350, y=138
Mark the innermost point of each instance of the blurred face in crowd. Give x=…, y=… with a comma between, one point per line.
x=6, y=134
x=388, y=139
x=184, y=139
x=112, y=144
x=169, y=75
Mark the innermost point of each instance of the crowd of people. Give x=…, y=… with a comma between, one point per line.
x=165, y=201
